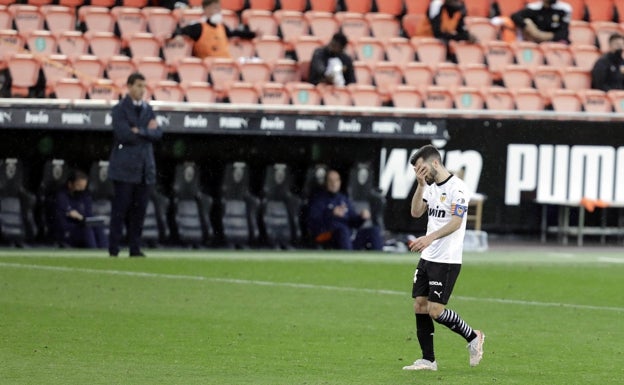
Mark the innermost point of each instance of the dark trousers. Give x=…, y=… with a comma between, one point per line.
x=79, y=235
x=128, y=208
x=365, y=238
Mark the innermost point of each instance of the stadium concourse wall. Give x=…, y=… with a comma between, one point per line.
x=516, y=159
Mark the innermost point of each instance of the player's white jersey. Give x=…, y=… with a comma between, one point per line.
x=443, y=201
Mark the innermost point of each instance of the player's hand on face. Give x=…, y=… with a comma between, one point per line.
x=421, y=173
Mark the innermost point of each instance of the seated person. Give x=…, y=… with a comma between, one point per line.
x=211, y=34
x=607, y=73
x=546, y=20
x=73, y=207
x=332, y=219
x=331, y=65
x=447, y=20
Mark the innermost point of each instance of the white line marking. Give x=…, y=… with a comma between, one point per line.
x=297, y=285
x=611, y=260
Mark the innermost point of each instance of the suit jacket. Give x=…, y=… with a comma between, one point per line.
x=132, y=155
x=321, y=217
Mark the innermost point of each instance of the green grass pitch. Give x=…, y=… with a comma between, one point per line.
x=271, y=317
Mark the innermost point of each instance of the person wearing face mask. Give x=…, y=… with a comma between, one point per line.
x=331, y=65
x=73, y=209
x=607, y=73
x=211, y=35
x=447, y=20
x=546, y=20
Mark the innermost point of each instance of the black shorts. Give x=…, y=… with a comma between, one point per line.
x=435, y=280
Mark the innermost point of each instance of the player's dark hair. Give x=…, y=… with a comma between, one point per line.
x=425, y=152
x=134, y=77
x=75, y=175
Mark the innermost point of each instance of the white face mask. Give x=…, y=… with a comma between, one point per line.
x=217, y=18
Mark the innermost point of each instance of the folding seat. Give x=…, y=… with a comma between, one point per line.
x=469, y=98
x=27, y=18
x=56, y=67
x=260, y=20
x=429, y=50
x=596, y=101
x=167, y=91
x=390, y=7
x=528, y=53
x=233, y=5
x=447, y=75
x=223, y=72
x=358, y=6
x=103, y=89
x=88, y=67
x=304, y=94
x=41, y=43
x=54, y=176
x=363, y=73
x=566, y=101
x=255, y=71
x=270, y=48
x=412, y=24
x=279, y=208
x=243, y=93
x=160, y=21
x=557, y=54
x=102, y=190
x=581, y=32
x=239, y=207
x=135, y=3
x=353, y=25
x=294, y=5
x=323, y=5
x=274, y=93
x=418, y=74
x=199, y=92
x=528, y=99
x=10, y=43
x=230, y=19
x=476, y=75
x=304, y=48
x=547, y=79
x=266, y=5
x=153, y=68
x=292, y=24
x=603, y=30
x=6, y=18
x=404, y=96
x=498, y=55
x=517, y=76
x=103, y=44
x=24, y=69
x=59, y=18
x=416, y=6
x=617, y=100
x=482, y=28
x=365, y=95
x=241, y=48
x=383, y=26
x=186, y=16
x=364, y=194
x=71, y=3
x=143, y=44
x=68, y=88
x=499, y=99
x=17, y=223
x=478, y=8
x=600, y=10
x=335, y=96
x=399, y=50
x=387, y=76
x=619, y=7
x=129, y=21
x=585, y=56
x=578, y=9
x=96, y=19
x=104, y=3
x=576, y=79
x=286, y=71
x=72, y=43
x=507, y=7
x=323, y=25
x=118, y=68
x=369, y=49
x=436, y=97
x=192, y=69
x=467, y=53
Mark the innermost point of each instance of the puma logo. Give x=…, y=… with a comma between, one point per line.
x=438, y=293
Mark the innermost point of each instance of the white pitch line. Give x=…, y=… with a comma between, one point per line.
x=297, y=285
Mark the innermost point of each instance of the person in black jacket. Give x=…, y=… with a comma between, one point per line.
x=132, y=167
x=547, y=20
x=331, y=65
x=607, y=72
x=447, y=20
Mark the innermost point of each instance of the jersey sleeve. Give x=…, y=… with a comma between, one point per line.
x=459, y=202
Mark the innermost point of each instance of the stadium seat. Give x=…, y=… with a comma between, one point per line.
x=54, y=176
x=358, y=6
x=241, y=48
x=547, y=79
x=41, y=43
x=143, y=44
x=135, y=3
x=118, y=68
x=365, y=95
x=239, y=208
x=304, y=94
x=96, y=19
x=600, y=10
x=274, y=93
x=129, y=21
x=566, y=101
x=55, y=67
x=192, y=69
x=233, y=5
x=223, y=72
x=6, y=18
x=581, y=32
x=528, y=99
x=578, y=9
x=499, y=99
x=292, y=24
x=59, y=18
x=429, y=50
x=167, y=91
x=353, y=25
x=153, y=68
x=585, y=56
x=304, y=48
x=603, y=30
x=447, y=75
x=412, y=24
x=186, y=16
x=261, y=21
x=17, y=223
x=27, y=18
x=266, y=5
x=323, y=25
x=517, y=76
x=103, y=89
x=436, y=97
x=191, y=207
x=323, y=5
x=104, y=3
x=174, y=50
x=387, y=76
x=10, y=43
x=482, y=28
x=383, y=26
x=404, y=96
x=468, y=53
x=335, y=96
x=619, y=7
x=103, y=44
x=507, y=7
x=557, y=54
x=24, y=69
x=72, y=43
x=255, y=71
x=390, y=7
x=399, y=50
x=370, y=50
x=294, y=5
x=365, y=195
x=71, y=3
x=270, y=48
x=199, y=92
x=279, y=208
x=416, y=6
x=577, y=79
x=617, y=100
x=285, y=71
x=596, y=101
x=528, y=53
x=478, y=8
x=230, y=19
x=68, y=88
x=498, y=55
x=243, y=93
x=418, y=74
x=363, y=73
x=476, y=75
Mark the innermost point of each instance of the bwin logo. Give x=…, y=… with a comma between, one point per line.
x=437, y=213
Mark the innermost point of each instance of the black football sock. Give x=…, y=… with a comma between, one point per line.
x=451, y=320
x=424, y=332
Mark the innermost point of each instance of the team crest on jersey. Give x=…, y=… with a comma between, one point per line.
x=443, y=197
x=555, y=18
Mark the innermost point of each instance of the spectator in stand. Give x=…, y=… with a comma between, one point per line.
x=173, y=4
x=211, y=34
x=447, y=20
x=331, y=65
x=332, y=219
x=541, y=21
x=73, y=208
x=607, y=72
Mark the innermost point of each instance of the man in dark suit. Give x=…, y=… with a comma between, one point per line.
x=132, y=167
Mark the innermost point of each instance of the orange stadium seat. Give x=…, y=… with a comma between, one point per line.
x=292, y=24
x=6, y=18
x=69, y=89
x=103, y=89
x=223, y=72
x=270, y=48
x=528, y=99
x=199, y=92
x=274, y=93
x=267, y=5
x=603, y=30
x=468, y=53
x=335, y=96
x=59, y=18
x=144, y=44
x=255, y=72
x=617, y=100
x=596, y=101
x=167, y=91
x=359, y=6
x=103, y=44
x=129, y=21
x=390, y=7
x=304, y=94
x=581, y=32
x=585, y=56
x=387, y=76
x=600, y=10
x=438, y=98
x=72, y=43
x=186, y=16
x=104, y=3
x=469, y=98
x=241, y=48
x=412, y=24
x=118, y=68
x=577, y=79
x=88, y=67
x=41, y=42
x=191, y=70
x=429, y=50
x=153, y=68
x=619, y=7
x=39, y=3
x=476, y=75
x=323, y=5
x=294, y=5
x=507, y=7
x=480, y=8
x=557, y=54
x=27, y=18
x=517, y=76
x=243, y=93
x=353, y=25
x=304, y=48
x=96, y=19
x=482, y=29
x=365, y=95
x=323, y=25
x=447, y=75
x=578, y=9
x=547, y=79
x=233, y=5
x=260, y=20
x=498, y=54
x=230, y=19
x=566, y=101
x=363, y=73
x=10, y=42
x=383, y=26
x=135, y=3
x=24, y=70
x=528, y=53
x=369, y=50
x=399, y=50
x=416, y=6
x=404, y=96
x=175, y=50
x=71, y=3
x=499, y=98
x=286, y=71
x=55, y=68
x=418, y=74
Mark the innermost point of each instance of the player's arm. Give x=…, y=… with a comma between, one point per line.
x=423, y=242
